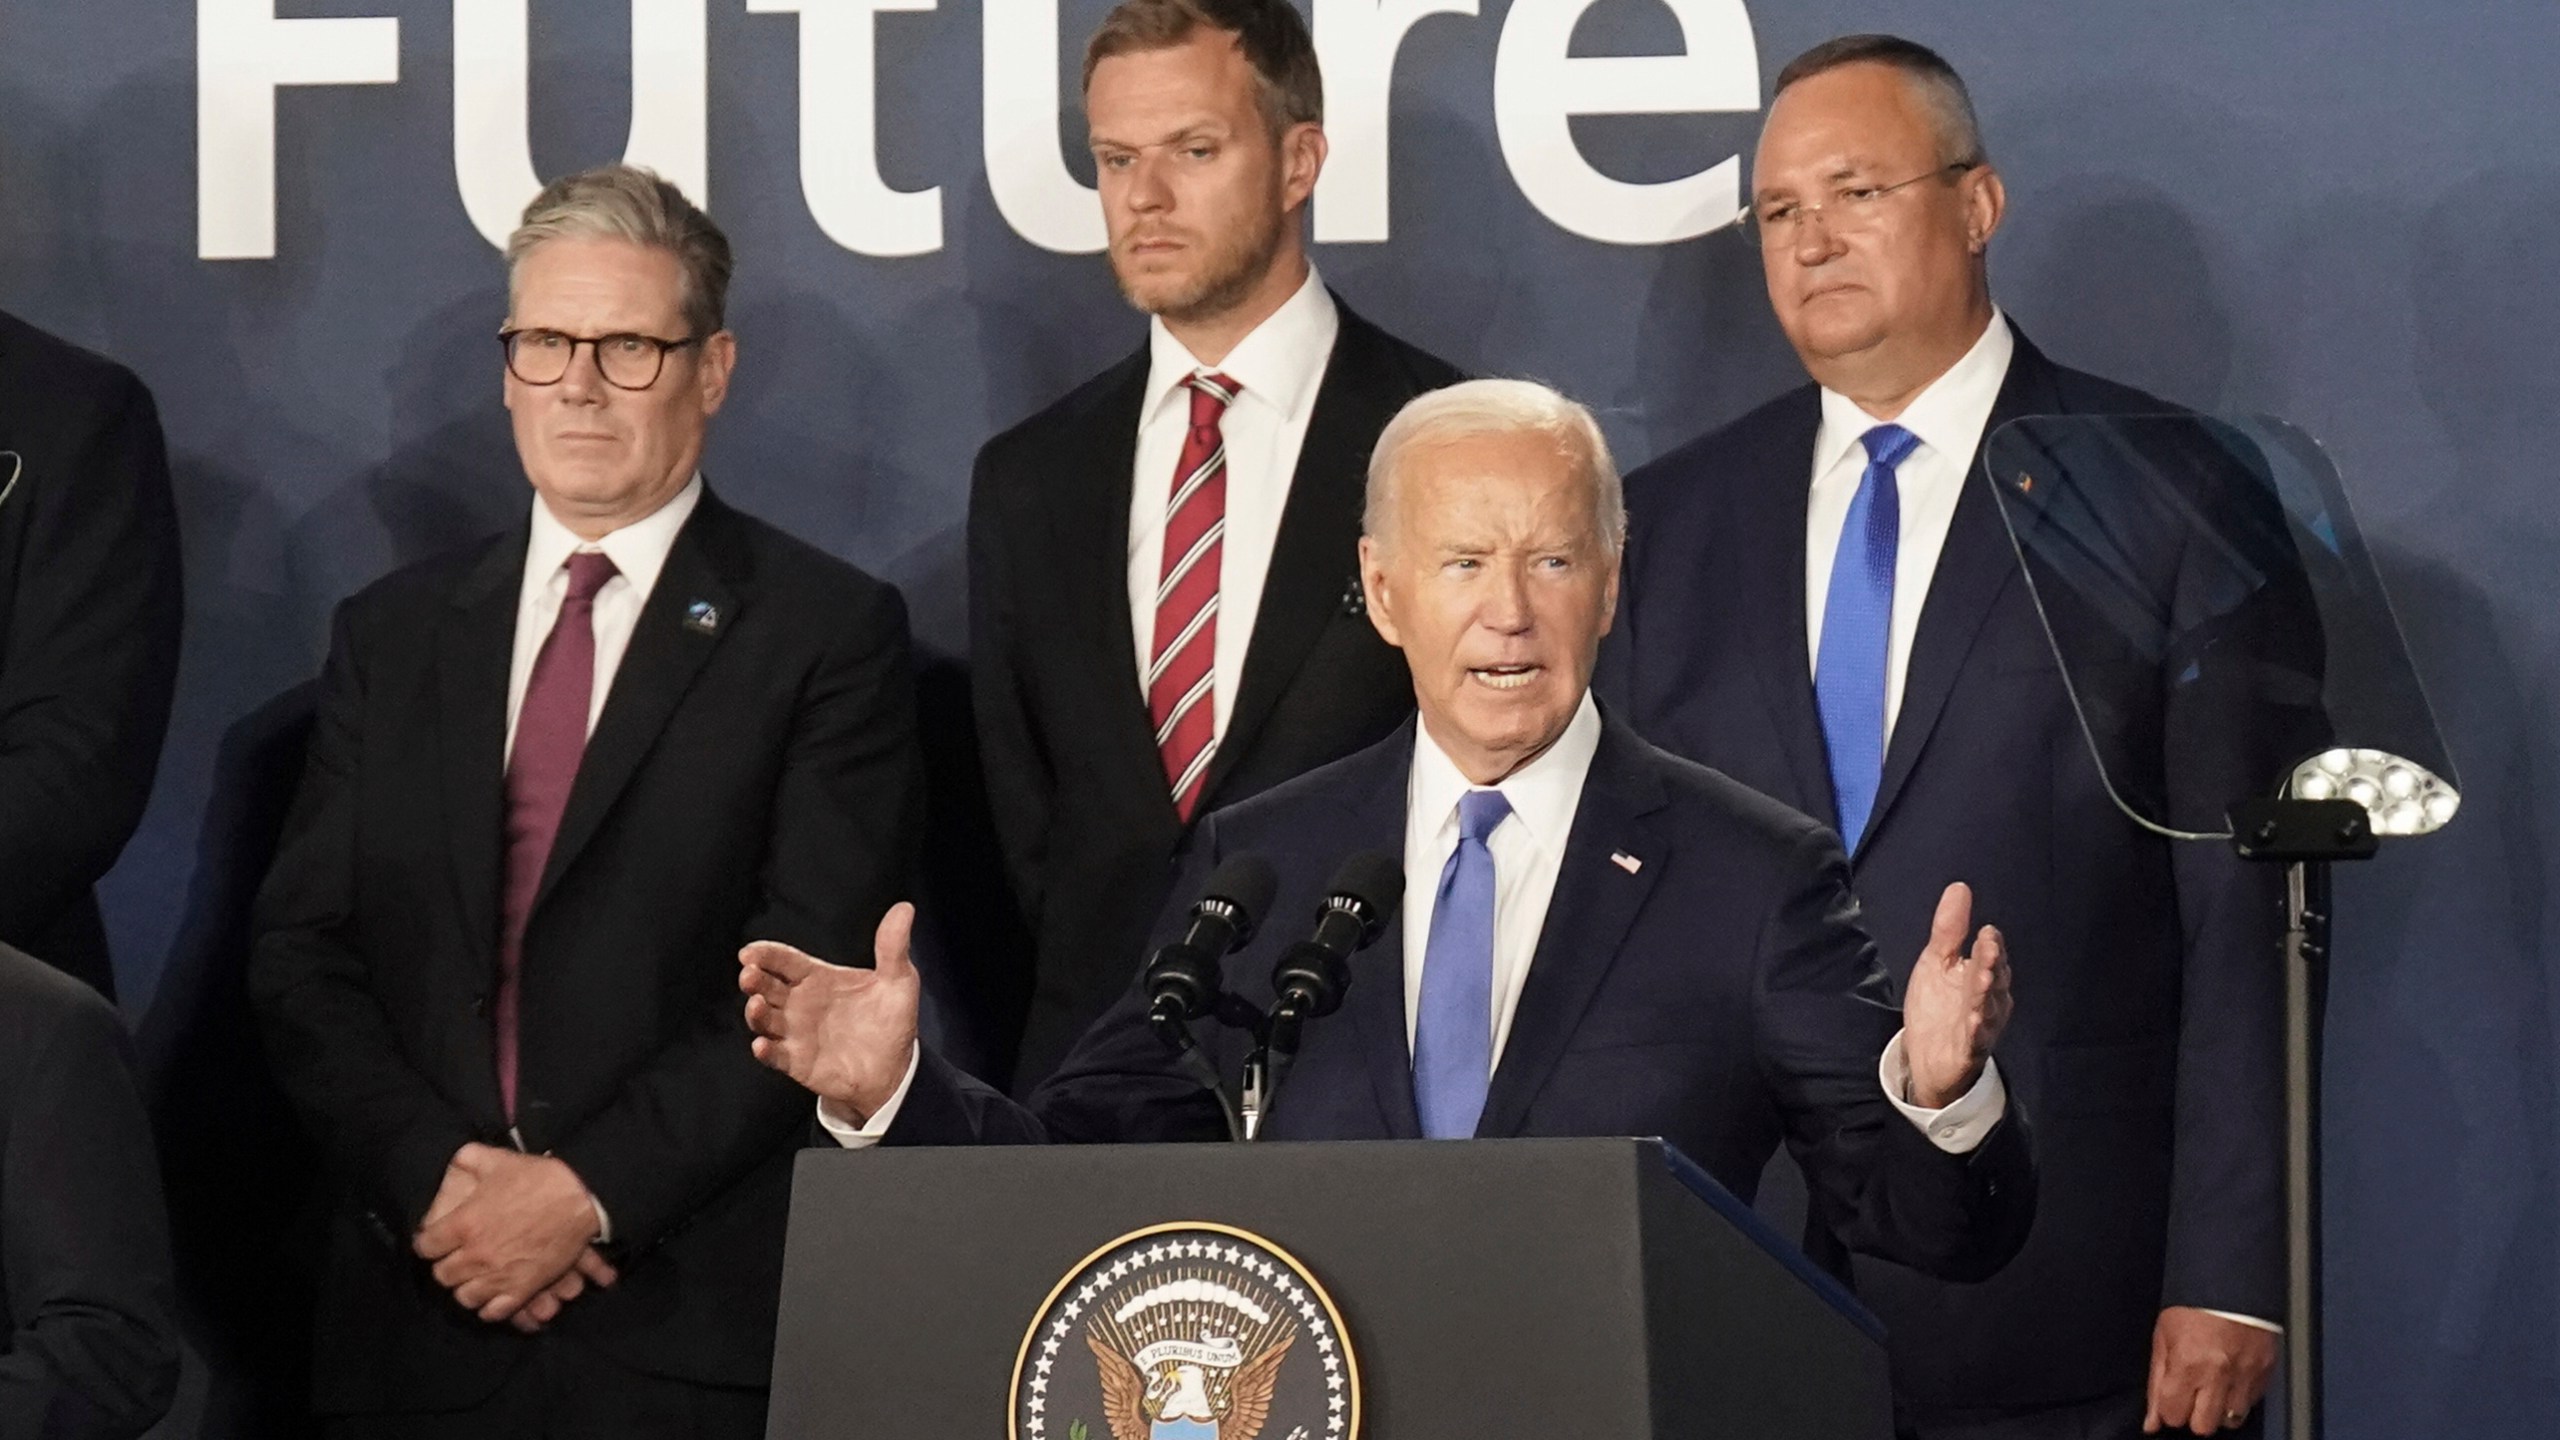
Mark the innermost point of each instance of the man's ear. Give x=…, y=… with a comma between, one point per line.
x=1302, y=152
x=1374, y=589
x=1986, y=203
x=719, y=362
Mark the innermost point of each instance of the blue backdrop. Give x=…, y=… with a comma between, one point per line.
x=2346, y=213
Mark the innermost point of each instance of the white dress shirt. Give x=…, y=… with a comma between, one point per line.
x=638, y=551
x=1281, y=365
x=1528, y=856
x=1949, y=417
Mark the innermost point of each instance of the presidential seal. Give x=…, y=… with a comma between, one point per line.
x=1190, y=1331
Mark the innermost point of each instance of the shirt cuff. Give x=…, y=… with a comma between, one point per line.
x=865, y=1135
x=2252, y=1321
x=1958, y=1128
x=604, y=1222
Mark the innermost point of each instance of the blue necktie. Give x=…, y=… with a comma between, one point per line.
x=1857, y=628
x=1453, y=1031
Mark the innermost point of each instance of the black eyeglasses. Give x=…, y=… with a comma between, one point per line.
x=627, y=361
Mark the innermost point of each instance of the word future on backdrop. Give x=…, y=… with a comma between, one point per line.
x=245, y=53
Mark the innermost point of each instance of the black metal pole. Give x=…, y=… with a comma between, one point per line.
x=2306, y=947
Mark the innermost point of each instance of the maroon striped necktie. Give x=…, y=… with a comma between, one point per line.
x=1182, y=676
x=551, y=736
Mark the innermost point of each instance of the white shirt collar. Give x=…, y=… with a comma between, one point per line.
x=1279, y=364
x=638, y=550
x=1948, y=415
x=1543, y=793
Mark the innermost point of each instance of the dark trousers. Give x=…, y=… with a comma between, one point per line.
x=565, y=1391
x=2117, y=1417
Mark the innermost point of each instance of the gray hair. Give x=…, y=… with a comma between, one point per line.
x=625, y=202
x=1940, y=89
x=1498, y=407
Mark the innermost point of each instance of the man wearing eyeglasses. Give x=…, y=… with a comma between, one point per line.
x=557, y=780
x=1818, y=601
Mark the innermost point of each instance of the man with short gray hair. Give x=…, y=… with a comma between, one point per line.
x=557, y=779
x=1596, y=938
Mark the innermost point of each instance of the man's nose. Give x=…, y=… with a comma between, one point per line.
x=584, y=383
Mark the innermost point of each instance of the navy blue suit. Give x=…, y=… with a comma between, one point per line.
x=1720, y=995
x=2147, y=1040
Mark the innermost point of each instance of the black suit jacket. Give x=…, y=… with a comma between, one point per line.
x=1719, y=995
x=753, y=778
x=1081, y=805
x=89, y=619
x=85, y=1292
x=2147, y=1038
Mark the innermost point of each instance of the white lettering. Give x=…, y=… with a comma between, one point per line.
x=1035, y=192
x=839, y=131
x=1538, y=88
x=1356, y=43
x=243, y=53
x=492, y=81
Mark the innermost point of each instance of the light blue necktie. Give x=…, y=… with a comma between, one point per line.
x=1453, y=1031
x=1857, y=628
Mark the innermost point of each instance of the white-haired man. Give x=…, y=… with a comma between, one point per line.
x=557, y=779
x=1597, y=938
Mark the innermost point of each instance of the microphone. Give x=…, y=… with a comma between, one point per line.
x=1182, y=979
x=1313, y=973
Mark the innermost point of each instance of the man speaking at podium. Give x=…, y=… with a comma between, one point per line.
x=1598, y=938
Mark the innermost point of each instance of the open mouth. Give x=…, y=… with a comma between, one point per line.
x=1505, y=677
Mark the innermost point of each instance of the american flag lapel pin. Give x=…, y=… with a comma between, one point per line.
x=1625, y=861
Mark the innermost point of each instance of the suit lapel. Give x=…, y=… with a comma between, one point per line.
x=475, y=644
x=1088, y=512
x=1374, y=796
x=1773, y=575
x=1315, y=557
x=1596, y=899
x=1975, y=566
x=668, y=648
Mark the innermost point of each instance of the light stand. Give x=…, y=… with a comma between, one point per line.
x=2338, y=805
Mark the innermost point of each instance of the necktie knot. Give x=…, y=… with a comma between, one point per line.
x=588, y=572
x=1210, y=397
x=1889, y=445
x=1480, y=812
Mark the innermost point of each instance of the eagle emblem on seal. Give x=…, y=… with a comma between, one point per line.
x=1188, y=1332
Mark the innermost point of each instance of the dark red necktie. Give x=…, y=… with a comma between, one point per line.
x=1182, y=676
x=551, y=735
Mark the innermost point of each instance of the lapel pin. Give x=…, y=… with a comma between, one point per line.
x=702, y=617
x=1355, y=601
x=1625, y=861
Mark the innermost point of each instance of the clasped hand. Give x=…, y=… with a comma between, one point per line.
x=1955, y=1005
x=511, y=1235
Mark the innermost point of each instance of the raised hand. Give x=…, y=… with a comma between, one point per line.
x=1956, y=1004
x=844, y=1034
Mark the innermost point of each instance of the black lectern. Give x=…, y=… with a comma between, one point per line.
x=1591, y=1289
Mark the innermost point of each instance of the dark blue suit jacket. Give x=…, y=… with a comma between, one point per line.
x=2147, y=1040
x=1720, y=995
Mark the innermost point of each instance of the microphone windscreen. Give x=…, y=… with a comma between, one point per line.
x=1375, y=879
x=1248, y=883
